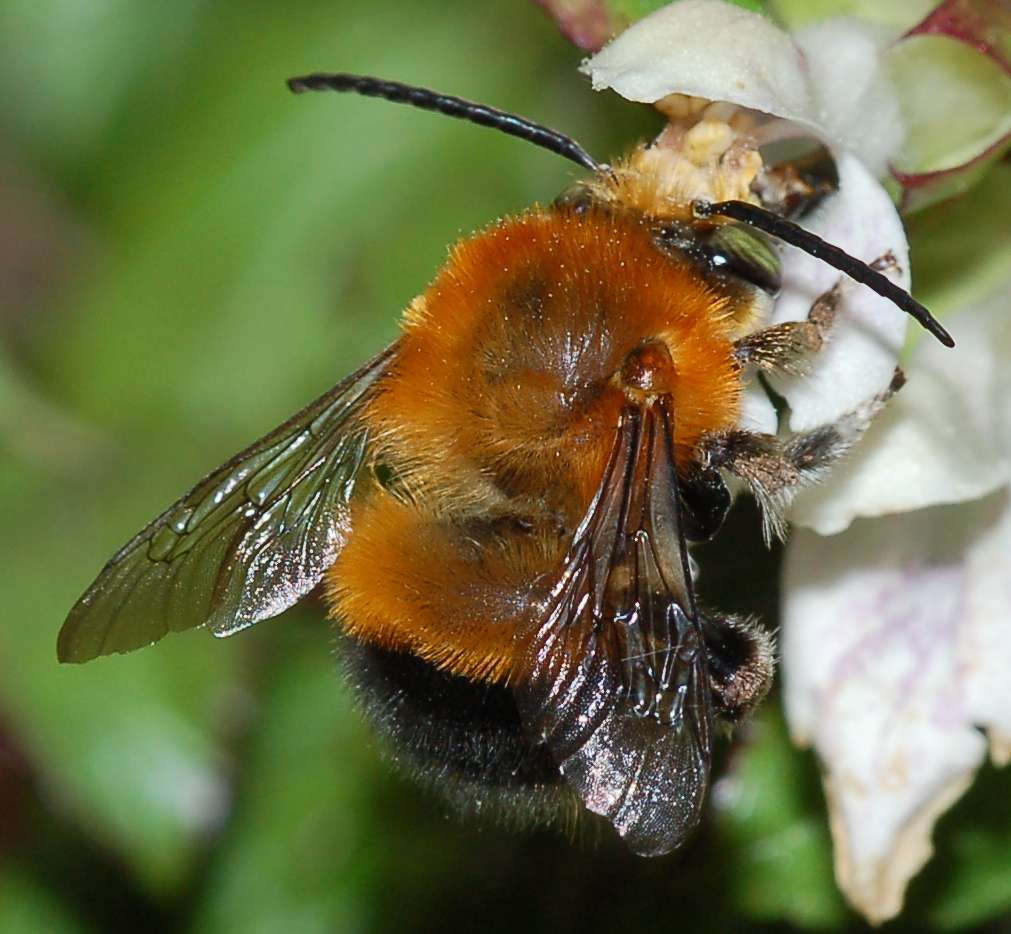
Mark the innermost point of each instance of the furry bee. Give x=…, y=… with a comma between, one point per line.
x=499, y=506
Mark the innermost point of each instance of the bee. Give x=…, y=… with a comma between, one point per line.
x=500, y=505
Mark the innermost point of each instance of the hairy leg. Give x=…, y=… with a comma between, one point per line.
x=775, y=468
x=789, y=347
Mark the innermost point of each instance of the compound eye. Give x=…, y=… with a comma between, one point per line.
x=746, y=253
x=577, y=198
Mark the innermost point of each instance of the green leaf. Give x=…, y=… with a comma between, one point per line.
x=773, y=817
x=898, y=17
x=961, y=249
x=956, y=102
x=124, y=743
x=630, y=11
x=81, y=63
x=967, y=882
x=298, y=854
x=26, y=907
x=248, y=249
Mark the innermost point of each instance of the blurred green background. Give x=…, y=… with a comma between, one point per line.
x=187, y=255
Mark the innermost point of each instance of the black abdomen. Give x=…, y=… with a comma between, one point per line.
x=462, y=737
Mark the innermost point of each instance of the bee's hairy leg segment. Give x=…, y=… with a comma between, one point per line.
x=781, y=348
x=789, y=347
x=741, y=658
x=775, y=468
x=761, y=461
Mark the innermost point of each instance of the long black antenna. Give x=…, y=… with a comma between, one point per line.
x=811, y=243
x=451, y=106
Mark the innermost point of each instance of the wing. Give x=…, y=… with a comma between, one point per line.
x=244, y=544
x=614, y=677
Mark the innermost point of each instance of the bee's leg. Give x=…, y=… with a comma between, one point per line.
x=775, y=468
x=741, y=657
x=789, y=347
x=760, y=460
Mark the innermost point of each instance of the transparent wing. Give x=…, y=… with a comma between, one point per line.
x=244, y=544
x=614, y=676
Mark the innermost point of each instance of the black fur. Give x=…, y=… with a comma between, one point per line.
x=464, y=738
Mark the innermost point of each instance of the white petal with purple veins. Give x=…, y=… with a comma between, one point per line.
x=895, y=649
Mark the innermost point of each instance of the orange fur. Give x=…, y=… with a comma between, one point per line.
x=506, y=361
x=501, y=407
x=450, y=594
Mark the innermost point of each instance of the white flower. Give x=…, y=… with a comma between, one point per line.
x=896, y=640
x=896, y=634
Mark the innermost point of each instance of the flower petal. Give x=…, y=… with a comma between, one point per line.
x=983, y=643
x=945, y=438
x=895, y=648
x=710, y=49
x=855, y=101
x=586, y=23
x=830, y=82
x=859, y=359
x=757, y=411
